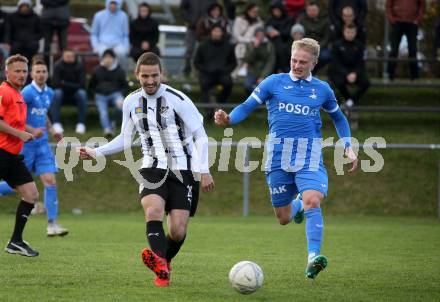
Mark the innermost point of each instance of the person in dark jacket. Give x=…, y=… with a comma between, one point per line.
x=278, y=27
x=68, y=82
x=347, y=67
x=215, y=60
x=214, y=15
x=348, y=17
x=360, y=10
x=144, y=33
x=23, y=30
x=191, y=11
x=110, y=85
x=55, y=18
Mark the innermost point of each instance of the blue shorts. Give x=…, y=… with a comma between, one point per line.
x=39, y=158
x=283, y=186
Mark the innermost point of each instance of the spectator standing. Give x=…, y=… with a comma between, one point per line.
x=214, y=15
x=144, y=33
x=317, y=27
x=69, y=83
x=278, y=27
x=347, y=67
x=55, y=18
x=260, y=60
x=192, y=11
x=110, y=85
x=23, y=30
x=215, y=60
x=404, y=17
x=110, y=30
x=243, y=31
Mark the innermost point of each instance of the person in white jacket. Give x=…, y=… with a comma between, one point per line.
x=243, y=32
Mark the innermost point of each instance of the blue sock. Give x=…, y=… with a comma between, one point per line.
x=51, y=202
x=5, y=189
x=314, y=227
x=296, y=207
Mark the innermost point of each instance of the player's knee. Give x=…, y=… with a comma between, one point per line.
x=312, y=201
x=49, y=180
x=283, y=219
x=154, y=213
x=30, y=195
x=178, y=233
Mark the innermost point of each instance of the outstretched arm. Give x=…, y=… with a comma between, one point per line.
x=119, y=143
x=237, y=115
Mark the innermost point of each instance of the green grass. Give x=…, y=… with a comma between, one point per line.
x=371, y=259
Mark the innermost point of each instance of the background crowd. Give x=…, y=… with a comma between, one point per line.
x=226, y=41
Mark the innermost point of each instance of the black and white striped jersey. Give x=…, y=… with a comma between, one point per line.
x=166, y=123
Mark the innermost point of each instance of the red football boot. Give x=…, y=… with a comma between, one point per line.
x=158, y=265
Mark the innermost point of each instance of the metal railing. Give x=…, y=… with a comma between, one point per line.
x=246, y=174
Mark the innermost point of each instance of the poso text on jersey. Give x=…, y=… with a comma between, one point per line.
x=297, y=109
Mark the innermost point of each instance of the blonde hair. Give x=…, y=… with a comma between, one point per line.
x=307, y=44
x=15, y=58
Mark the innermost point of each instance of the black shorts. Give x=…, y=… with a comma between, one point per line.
x=13, y=170
x=178, y=194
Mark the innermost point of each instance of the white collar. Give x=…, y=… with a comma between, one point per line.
x=308, y=79
x=38, y=87
x=158, y=93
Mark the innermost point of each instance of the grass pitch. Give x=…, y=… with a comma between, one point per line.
x=370, y=259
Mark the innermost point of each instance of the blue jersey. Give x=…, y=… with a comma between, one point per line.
x=38, y=102
x=293, y=106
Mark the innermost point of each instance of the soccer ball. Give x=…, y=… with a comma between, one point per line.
x=246, y=277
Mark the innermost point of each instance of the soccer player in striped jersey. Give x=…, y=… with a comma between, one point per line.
x=175, y=159
x=294, y=157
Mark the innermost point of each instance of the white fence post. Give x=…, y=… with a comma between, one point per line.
x=246, y=183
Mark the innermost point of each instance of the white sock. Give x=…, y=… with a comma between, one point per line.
x=311, y=256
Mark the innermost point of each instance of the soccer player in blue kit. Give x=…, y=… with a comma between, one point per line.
x=38, y=156
x=294, y=157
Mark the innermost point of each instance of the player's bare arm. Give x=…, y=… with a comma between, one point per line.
x=23, y=135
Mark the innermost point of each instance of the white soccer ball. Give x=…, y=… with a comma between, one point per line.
x=246, y=277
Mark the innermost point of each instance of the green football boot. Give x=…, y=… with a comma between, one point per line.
x=299, y=216
x=315, y=266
